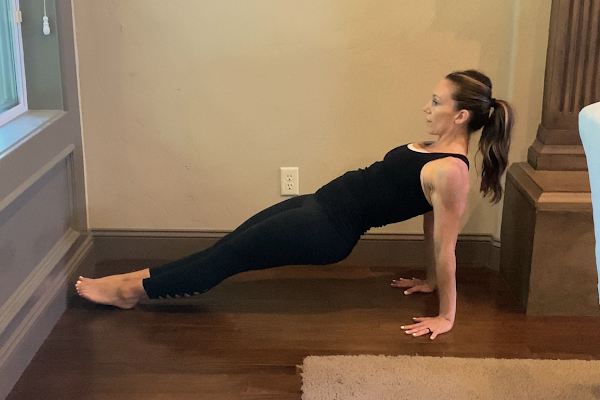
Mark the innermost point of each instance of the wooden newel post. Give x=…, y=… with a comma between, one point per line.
x=548, y=245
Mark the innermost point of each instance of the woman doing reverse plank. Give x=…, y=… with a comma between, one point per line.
x=429, y=179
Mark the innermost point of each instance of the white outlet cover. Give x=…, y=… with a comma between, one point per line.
x=290, y=183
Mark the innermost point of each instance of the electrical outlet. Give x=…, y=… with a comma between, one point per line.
x=289, y=181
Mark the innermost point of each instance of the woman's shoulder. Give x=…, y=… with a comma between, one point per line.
x=450, y=174
x=447, y=174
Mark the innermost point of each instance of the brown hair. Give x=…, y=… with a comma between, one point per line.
x=473, y=92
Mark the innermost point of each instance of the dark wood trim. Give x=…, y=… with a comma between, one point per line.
x=572, y=63
x=547, y=234
x=546, y=157
x=564, y=137
x=374, y=249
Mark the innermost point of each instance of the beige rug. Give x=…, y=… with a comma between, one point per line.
x=415, y=378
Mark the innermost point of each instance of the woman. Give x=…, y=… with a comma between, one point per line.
x=421, y=178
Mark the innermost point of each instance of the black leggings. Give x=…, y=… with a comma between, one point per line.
x=294, y=232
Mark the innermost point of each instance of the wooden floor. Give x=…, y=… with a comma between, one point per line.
x=243, y=339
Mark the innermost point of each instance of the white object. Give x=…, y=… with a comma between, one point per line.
x=46, y=27
x=290, y=184
x=589, y=130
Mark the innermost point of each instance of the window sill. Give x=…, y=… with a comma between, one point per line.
x=24, y=127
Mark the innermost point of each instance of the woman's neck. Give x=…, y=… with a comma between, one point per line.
x=451, y=143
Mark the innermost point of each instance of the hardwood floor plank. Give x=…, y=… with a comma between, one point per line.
x=244, y=339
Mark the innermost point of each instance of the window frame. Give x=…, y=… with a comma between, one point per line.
x=20, y=108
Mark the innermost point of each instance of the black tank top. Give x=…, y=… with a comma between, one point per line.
x=386, y=192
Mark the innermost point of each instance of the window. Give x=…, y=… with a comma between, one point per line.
x=13, y=99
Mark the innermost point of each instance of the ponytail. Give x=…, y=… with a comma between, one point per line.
x=473, y=92
x=494, y=145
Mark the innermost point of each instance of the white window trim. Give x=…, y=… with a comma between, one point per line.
x=21, y=108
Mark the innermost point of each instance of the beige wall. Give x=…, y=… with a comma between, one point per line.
x=190, y=107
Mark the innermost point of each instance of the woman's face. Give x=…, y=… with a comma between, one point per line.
x=441, y=116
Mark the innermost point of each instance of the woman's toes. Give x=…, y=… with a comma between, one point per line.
x=80, y=286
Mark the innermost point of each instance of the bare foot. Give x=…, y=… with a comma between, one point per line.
x=123, y=291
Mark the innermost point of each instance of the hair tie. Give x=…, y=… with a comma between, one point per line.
x=494, y=103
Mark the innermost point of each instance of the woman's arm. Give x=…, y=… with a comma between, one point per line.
x=449, y=189
x=428, y=229
x=430, y=283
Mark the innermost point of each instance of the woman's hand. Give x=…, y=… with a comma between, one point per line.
x=425, y=325
x=413, y=285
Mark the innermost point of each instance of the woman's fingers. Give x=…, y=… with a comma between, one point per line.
x=424, y=325
x=418, y=289
x=405, y=283
x=418, y=331
x=412, y=285
x=409, y=290
x=421, y=332
x=420, y=328
x=414, y=327
x=420, y=323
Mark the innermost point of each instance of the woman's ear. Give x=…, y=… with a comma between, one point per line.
x=462, y=117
